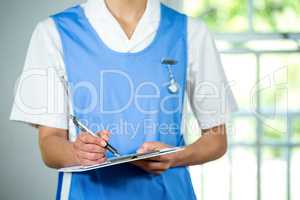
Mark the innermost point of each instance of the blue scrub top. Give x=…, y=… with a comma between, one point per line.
x=127, y=94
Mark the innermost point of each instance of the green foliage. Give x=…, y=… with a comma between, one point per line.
x=274, y=129
x=273, y=153
x=224, y=15
x=232, y=15
x=277, y=15
x=268, y=16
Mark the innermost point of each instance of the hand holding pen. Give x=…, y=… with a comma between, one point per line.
x=90, y=150
x=83, y=128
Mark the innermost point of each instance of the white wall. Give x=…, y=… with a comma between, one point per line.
x=22, y=174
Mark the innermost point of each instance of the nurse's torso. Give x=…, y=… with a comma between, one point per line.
x=127, y=94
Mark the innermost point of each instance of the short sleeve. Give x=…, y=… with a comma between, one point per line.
x=40, y=98
x=208, y=90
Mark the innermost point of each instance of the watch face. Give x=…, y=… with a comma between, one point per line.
x=173, y=87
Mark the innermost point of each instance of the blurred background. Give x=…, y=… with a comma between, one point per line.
x=259, y=41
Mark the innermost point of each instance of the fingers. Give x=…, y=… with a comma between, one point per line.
x=152, y=166
x=151, y=146
x=90, y=139
x=155, y=165
x=85, y=162
x=158, y=159
x=89, y=156
x=90, y=150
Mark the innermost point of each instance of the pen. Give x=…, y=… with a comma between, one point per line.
x=83, y=128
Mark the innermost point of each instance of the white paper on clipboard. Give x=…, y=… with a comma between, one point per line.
x=122, y=159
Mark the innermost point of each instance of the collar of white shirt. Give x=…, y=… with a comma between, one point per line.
x=112, y=33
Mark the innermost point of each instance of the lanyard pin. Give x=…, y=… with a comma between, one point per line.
x=173, y=86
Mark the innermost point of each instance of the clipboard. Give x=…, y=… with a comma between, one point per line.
x=122, y=159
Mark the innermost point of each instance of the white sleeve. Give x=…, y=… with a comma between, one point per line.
x=208, y=90
x=40, y=98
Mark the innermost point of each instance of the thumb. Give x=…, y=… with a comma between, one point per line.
x=148, y=146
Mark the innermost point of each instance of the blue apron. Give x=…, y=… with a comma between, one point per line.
x=127, y=94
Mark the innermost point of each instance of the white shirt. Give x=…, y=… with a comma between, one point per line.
x=207, y=94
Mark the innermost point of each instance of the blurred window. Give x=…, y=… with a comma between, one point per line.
x=259, y=41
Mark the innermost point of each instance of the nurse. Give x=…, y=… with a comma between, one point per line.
x=135, y=70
